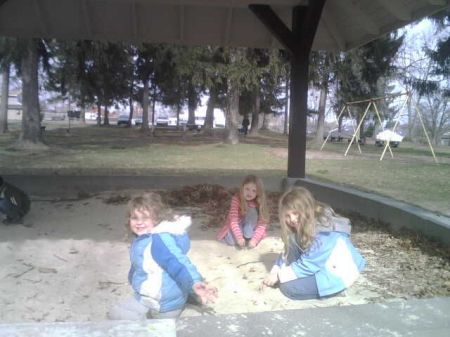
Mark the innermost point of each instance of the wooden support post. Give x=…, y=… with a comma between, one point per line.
x=298, y=42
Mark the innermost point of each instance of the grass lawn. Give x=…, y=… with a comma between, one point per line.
x=411, y=176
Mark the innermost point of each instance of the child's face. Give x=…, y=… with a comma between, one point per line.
x=141, y=222
x=249, y=191
x=292, y=218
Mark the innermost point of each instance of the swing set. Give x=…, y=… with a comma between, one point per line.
x=372, y=103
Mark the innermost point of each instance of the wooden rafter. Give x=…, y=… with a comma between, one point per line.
x=229, y=22
x=277, y=27
x=134, y=20
x=86, y=18
x=181, y=17
x=331, y=28
x=40, y=16
x=396, y=9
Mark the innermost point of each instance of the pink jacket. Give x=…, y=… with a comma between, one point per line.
x=234, y=218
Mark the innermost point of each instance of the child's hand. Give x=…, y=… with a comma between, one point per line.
x=251, y=244
x=270, y=280
x=241, y=242
x=205, y=292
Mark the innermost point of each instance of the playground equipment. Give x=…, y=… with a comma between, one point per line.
x=389, y=137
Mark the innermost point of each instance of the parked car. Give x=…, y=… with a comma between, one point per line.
x=162, y=121
x=137, y=121
x=123, y=120
x=387, y=135
x=74, y=114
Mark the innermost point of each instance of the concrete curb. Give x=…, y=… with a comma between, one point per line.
x=395, y=213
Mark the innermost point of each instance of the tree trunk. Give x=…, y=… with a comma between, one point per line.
x=106, y=113
x=99, y=114
x=209, y=119
x=130, y=103
x=361, y=129
x=411, y=120
x=130, y=117
x=192, y=104
x=145, y=101
x=255, y=112
x=178, y=114
x=154, y=103
x=83, y=112
x=321, y=115
x=31, y=119
x=4, y=100
x=232, y=113
x=265, y=122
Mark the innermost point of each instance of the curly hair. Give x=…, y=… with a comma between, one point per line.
x=152, y=203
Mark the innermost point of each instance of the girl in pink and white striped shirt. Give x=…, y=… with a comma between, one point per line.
x=247, y=218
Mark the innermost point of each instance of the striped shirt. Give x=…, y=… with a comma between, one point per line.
x=235, y=217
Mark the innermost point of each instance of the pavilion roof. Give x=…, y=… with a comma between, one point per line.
x=344, y=23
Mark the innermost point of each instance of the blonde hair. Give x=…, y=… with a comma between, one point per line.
x=260, y=197
x=150, y=202
x=311, y=213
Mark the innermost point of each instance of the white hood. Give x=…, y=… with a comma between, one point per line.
x=178, y=226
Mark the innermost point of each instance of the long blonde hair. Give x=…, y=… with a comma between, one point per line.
x=260, y=197
x=312, y=213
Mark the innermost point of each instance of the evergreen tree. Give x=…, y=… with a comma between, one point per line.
x=362, y=73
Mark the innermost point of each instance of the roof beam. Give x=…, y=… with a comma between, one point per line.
x=438, y=2
x=396, y=9
x=364, y=19
x=227, y=35
x=86, y=18
x=40, y=17
x=181, y=12
x=356, y=13
x=134, y=23
x=277, y=27
x=331, y=27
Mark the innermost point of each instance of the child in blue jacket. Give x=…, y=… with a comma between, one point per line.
x=319, y=259
x=161, y=274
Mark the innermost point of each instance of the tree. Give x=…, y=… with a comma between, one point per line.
x=110, y=75
x=441, y=54
x=362, y=73
x=69, y=74
x=424, y=71
x=434, y=108
x=212, y=63
x=151, y=63
x=322, y=68
x=31, y=134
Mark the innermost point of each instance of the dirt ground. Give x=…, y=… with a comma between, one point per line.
x=68, y=261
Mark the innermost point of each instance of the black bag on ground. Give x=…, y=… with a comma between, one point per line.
x=14, y=203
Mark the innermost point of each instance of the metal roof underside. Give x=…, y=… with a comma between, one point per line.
x=344, y=23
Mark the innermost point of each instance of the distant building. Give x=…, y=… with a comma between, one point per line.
x=14, y=106
x=445, y=139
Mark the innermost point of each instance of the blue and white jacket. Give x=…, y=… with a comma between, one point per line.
x=332, y=259
x=161, y=274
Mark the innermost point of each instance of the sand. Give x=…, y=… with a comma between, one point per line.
x=69, y=261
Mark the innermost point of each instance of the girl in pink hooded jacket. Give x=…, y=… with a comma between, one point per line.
x=247, y=218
